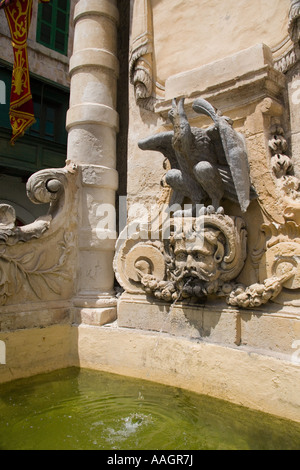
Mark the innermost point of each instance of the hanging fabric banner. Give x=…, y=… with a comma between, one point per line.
x=18, y=14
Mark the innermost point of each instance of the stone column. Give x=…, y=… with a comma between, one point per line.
x=92, y=124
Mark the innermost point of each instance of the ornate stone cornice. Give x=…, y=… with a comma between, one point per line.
x=286, y=53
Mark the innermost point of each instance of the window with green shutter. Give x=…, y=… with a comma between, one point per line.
x=53, y=25
x=44, y=144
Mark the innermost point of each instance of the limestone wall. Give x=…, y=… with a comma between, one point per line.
x=189, y=36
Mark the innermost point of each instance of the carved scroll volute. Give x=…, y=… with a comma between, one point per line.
x=55, y=187
x=51, y=186
x=136, y=255
x=140, y=60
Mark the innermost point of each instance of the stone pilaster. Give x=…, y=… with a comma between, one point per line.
x=92, y=124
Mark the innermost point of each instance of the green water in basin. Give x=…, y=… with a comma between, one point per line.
x=75, y=409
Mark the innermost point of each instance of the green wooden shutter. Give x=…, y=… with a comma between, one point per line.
x=53, y=25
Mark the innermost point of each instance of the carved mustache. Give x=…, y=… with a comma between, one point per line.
x=199, y=273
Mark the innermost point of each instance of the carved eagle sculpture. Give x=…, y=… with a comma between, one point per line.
x=207, y=165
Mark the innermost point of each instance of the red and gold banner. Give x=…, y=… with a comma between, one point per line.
x=18, y=14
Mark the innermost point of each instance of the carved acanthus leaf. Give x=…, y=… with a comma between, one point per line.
x=34, y=269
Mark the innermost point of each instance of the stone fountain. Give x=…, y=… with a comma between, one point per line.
x=202, y=290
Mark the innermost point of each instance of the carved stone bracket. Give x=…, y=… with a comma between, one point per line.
x=140, y=59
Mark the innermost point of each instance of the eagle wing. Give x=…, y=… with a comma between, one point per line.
x=235, y=151
x=236, y=155
x=162, y=142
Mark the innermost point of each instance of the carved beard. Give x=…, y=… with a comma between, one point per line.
x=194, y=287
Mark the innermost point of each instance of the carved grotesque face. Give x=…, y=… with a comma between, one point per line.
x=199, y=259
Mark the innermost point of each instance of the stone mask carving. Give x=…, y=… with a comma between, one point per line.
x=200, y=258
x=199, y=261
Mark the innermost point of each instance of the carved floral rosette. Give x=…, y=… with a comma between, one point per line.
x=35, y=258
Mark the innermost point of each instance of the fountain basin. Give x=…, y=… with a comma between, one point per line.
x=260, y=381
x=80, y=409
